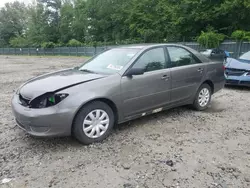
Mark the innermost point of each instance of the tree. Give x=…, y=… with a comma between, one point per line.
x=19, y=42
x=210, y=39
x=48, y=45
x=144, y=20
x=74, y=43
x=241, y=35
x=37, y=26
x=52, y=13
x=119, y=21
x=79, y=24
x=13, y=21
x=66, y=29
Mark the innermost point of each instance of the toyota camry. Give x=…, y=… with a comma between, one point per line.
x=116, y=86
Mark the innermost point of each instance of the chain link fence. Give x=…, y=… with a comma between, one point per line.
x=235, y=49
x=63, y=51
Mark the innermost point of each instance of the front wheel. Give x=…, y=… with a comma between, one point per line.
x=93, y=123
x=203, y=97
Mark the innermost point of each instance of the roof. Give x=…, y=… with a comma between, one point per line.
x=147, y=45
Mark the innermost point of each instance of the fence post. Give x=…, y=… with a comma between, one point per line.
x=76, y=51
x=239, y=48
x=69, y=50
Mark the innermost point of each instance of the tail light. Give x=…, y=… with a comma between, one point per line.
x=224, y=68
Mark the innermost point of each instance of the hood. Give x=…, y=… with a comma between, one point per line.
x=55, y=82
x=238, y=64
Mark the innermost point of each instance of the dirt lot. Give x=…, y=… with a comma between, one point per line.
x=177, y=148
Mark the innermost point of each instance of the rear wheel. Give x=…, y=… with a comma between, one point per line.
x=93, y=123
x=203, y=97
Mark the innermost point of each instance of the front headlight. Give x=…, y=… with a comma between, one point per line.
x=47, y=100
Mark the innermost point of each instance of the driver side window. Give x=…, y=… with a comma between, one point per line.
x=151, y=60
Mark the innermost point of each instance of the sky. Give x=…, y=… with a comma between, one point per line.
x=2, y=2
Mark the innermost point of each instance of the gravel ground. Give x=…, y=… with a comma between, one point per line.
x=176, y=148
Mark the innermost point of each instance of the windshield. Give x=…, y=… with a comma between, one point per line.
x=245, y=56
x=110, y=62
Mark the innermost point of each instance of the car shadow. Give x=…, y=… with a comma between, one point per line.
x=236, y=87
x=52, y=143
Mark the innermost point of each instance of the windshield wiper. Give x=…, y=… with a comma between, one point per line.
x=87, y=70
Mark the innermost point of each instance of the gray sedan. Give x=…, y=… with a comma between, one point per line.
x=113, y=87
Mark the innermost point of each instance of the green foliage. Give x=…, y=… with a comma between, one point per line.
x=210, y=39
x=240, y=35
x=74, y=43
x=19, y=42
x=60, y=44
x=107, y=22
x=48, y=45
x=13, y=21
x=65, y=28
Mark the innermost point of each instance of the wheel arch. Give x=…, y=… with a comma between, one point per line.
x=107, y=101
x=210, y=83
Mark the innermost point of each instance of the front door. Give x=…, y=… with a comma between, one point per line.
x=187, y=72
x=151, y=90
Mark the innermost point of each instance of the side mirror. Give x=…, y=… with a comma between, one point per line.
x=135, y=71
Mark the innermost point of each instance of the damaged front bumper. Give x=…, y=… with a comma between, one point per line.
x=44, y=122
x=238, y=80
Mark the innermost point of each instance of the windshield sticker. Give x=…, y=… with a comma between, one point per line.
x=115, y=67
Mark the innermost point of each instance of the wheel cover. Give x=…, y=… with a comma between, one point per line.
x=204, y=97
x=96, y=123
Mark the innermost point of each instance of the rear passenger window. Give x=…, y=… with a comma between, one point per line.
x=180, y=57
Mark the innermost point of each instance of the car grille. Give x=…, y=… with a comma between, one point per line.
x=235, y=72
x=23, y=101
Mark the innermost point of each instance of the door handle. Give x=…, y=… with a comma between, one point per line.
x=165, y=77
x=200, y=70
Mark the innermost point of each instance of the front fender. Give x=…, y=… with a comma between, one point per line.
x=106, y=88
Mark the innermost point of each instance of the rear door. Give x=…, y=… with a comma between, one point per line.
x=187, y=72
x=151, y=90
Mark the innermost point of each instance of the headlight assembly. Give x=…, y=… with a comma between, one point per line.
x=47, y=100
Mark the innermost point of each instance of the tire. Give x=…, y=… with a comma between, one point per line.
x=202, y=104
x=86, y=119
